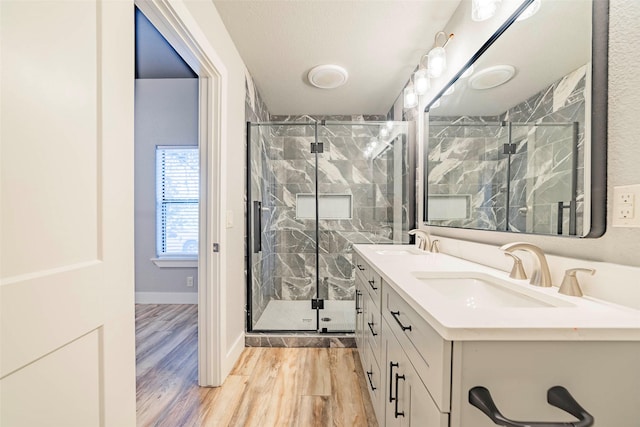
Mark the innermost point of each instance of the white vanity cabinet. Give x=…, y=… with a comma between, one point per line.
x=418, y=378
x=369, y=330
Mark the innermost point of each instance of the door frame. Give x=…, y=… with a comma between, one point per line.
x=175, y=23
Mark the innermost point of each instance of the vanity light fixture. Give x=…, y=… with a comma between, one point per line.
x=437, y=57
x=481, y=10
x=530, y=11
x=421, y=80
x=410, y=96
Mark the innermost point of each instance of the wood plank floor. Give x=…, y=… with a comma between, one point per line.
x=267, y=387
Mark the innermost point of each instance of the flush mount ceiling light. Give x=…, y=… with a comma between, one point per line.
x=328, y=76
x=481, y=10
x=492, y=77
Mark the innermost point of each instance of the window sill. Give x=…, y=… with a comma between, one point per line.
x=175, y=262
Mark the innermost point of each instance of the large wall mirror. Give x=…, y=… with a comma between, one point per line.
x=516, y=142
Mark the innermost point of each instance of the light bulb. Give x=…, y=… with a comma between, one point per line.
x=481, y=10
x=421, y=81
x=410, y=97
x=530, y=11
x=436, y=61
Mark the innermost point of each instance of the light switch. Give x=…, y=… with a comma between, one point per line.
x=229, y=219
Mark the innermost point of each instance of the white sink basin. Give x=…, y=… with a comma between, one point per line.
x=401, y=250
x=477, y=290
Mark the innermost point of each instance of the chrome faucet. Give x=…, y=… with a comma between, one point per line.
x=424, y=240
x=541, y=275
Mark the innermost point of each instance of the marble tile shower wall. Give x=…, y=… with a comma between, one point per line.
x=465, y=157
x=342, y=169
x=256, y=111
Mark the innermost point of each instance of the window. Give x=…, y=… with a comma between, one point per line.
x=177, y=189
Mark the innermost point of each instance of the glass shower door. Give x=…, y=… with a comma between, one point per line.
x=282, y=224
x=317, y=188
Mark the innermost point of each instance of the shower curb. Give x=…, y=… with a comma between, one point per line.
x=300, y=340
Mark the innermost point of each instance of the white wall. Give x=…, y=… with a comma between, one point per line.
x=166, y=113
x=232, y=304
x=617, y=245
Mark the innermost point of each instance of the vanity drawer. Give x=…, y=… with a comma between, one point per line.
x=425, y=348
x=373, y=378
x=371, y=280
x=372, y=325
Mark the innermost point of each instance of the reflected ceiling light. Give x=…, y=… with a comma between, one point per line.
x=435, y=104
x=384, y=132
x=481, y=10
x=449, y=91
x=389, y=125
x=492, y=77
x=530, y=11
x=328, y=76
x=421, y=81
x=467, y=72
x=410, y=96
x=437, y=57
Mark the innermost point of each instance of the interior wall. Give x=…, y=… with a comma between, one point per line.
x=231, y=318
x=617, y=245
x=166, y=113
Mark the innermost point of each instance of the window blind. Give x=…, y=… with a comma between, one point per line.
x=177, y=192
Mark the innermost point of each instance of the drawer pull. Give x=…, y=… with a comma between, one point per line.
x=391, y=366
x=396, y=315
x=358, y=308
x=557, y=396
x=369, y=374
x=360, y=267
x=397, y=413
x=371, y=328
x=372, y=283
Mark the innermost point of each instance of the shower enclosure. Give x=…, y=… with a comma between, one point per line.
x=315, y=188
x=507, y=176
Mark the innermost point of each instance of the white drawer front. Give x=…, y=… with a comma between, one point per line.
x=372, y=326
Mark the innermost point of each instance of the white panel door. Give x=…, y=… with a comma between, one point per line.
x=67, y=354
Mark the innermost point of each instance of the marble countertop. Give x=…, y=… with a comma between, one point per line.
x=573, y=319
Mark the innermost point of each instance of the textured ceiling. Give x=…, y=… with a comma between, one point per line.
x=379, y=42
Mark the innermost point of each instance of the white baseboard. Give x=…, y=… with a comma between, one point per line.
x=232, y=356
x=166, y=297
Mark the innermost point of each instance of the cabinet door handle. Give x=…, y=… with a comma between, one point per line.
x=397, y=413
x=369, y=374
x=396, y=315
x=372, y=284
x=557, y=396
x=391, y=366
x=358, y=308
x=371, y=328
x=360, y=267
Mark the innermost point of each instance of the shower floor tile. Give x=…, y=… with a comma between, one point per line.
x=298, y=316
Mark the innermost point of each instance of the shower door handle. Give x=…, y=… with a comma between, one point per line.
x=257, y=226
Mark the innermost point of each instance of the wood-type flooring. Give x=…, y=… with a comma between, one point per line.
x=267, y=387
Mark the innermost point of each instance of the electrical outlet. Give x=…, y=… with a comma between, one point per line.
x=189, y=281
x=624, y=206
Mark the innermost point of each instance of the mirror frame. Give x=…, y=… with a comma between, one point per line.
x=599, y=104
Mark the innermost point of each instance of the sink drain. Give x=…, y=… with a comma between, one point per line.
x=326, y=319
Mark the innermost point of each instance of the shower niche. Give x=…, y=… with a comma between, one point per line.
x=316, y=188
